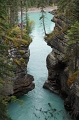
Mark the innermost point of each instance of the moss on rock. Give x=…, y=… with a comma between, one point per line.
x=72, y=78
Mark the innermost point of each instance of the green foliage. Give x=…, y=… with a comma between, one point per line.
x=17, y=40
x=3, y=106
x=73, y=34
x=3, y=109
x=12, y=10
x=35, y=3
x=76, y=10
x=73, y=45
x=41, y=5
x=29, y=24
x=62, y=4
x=5, y=66
x=66, y=8
x=70, y=9
x=42, y=18
x=14, y=99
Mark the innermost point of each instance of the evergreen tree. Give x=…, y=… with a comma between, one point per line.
x=13, y=7
x=5, y=67
x=70, y=9
x=34, y=3
x=76, y=10
x=41, y=5
x=73, y=46
x=3, y=110
x=4, y=61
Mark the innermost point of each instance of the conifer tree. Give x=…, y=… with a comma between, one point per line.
x=76, y=10
x=5, y=67
x=41, y=5
x=4, y=61
x=73, y=46
x=70, y=10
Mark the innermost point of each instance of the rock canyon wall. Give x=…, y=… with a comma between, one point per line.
x=21, y=82
x=57, y=65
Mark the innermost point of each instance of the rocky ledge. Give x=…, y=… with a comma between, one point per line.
x=58, y=74
x=23, y=84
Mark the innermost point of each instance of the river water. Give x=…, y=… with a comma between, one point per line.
x=39, y=104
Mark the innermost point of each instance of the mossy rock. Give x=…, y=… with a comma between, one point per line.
x=16, y=39
x=72, y=78
x=51, y=35
x=20, y=62
x=22, y=52
x=17, y=62
x=18, y=42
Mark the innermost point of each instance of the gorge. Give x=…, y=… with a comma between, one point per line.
x=39, y=104
x=39, y=66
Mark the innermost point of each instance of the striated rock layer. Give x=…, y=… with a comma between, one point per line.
x=57, y=65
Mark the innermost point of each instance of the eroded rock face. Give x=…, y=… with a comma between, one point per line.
x=22, y=82
x=57, y=77
x=58, y=73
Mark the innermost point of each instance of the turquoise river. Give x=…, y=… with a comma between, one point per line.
x=39, y=104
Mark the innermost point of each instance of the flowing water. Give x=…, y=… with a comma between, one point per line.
x=39, y=104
